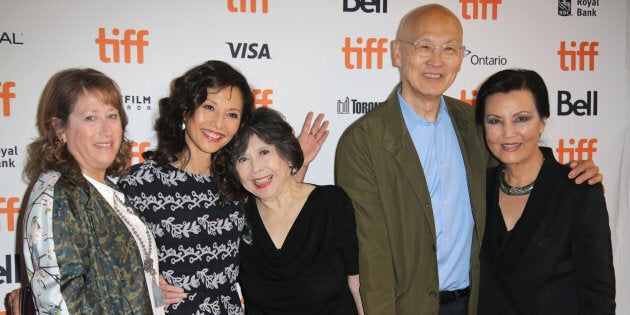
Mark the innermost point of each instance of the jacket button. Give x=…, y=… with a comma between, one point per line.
x=432, y=294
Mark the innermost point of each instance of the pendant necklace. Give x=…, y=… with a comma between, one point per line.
x=512, y=190
x=147, y=263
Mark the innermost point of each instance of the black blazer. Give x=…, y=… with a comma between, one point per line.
x=558, y=257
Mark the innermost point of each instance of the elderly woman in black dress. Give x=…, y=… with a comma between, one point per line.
x=299, y=253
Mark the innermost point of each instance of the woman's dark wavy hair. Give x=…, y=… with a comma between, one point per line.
x=509, y=80
x=58, y=101
x=271, y=127
x=188, y=92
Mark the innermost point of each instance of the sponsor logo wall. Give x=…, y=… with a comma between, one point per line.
x=332, y=57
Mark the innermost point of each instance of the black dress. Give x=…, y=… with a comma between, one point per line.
x=309, y=274
x=558, y=257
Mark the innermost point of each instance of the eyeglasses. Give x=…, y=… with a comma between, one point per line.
x=425, y=49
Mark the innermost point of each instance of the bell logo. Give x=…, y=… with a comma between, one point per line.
x=586, y=107
x=137, y=149
x=472, y=100
x=365, y=5
x=493, y=4
x=370, y=49
x=6, y=95
x=242, y=6
x=130, y=38
x=575, y=56
x=262, y=98
x=10, y=272
x=583, y=146
x=10, y=208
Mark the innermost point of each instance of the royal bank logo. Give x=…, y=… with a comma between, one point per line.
x=11, y=38
x=581, y=7
x=354, y=106
x=564, y=7
x=8, y=157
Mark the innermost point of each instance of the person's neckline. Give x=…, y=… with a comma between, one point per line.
x=297, y=219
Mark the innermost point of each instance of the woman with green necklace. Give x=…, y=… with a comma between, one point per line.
x=546, y=247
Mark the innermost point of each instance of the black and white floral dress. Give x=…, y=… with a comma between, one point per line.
x=197, y=236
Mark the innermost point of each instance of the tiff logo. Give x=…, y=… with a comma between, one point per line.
x=369, y=50
x=578, y=56
x=576, y=153
x=473, y=98
x=131, y=38
x=6, y=95
x=493, y=4
x=262, y=98
x=137, y=149
x=242, y=6
x=10, y=208
x=365, y=5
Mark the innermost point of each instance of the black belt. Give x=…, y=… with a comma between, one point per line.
x=450, y=296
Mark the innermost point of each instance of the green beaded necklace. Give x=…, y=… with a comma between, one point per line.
x=514, y=191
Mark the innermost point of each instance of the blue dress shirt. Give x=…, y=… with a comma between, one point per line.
x=443, y=165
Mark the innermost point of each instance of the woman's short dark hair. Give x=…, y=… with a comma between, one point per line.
x=188, y=92
x=56, y=103
x=271, y=127
x=509, y=80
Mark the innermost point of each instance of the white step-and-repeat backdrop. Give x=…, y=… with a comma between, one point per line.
x=329, y=56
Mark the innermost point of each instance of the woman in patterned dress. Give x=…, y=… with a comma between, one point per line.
x=177, y=195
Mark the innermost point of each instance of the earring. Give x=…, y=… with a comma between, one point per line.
x=183, y=125
x=293, y=170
